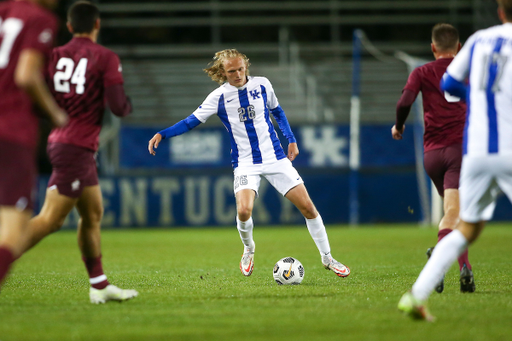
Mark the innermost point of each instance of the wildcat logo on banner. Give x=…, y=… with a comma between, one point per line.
x=325, y=146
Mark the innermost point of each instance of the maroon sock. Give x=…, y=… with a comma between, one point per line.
x=6, y=259
x=442, y=233
x=97, y=278
x=463, y=259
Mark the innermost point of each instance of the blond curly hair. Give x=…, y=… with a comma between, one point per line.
x=216, y=67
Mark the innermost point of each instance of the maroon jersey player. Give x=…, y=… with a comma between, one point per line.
x=444, y=123
x=27, y=31
x=83, y=75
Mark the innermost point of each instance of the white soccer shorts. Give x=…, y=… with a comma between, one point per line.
x=481, y=179
x=281, y=175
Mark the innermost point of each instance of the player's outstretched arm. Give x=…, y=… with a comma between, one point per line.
x=29, y=77
x=153, y=143
x=293, y=151
x=179, y=128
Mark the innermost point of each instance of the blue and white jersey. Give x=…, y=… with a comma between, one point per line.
x=486, y=62
x=245, y=112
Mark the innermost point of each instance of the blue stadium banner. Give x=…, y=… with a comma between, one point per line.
x=323, y=146
x=207, y=200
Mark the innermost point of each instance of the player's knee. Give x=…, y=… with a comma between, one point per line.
x=93, y=217
x=244, y=212
x=308, y=210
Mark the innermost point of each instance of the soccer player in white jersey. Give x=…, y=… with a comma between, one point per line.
x=244, y=104
x=484, y=64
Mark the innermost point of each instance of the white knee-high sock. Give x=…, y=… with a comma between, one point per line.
x=245, y=230
x=445, y=254
x=317, y=231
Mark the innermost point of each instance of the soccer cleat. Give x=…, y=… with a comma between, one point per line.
x=110, y=293
x=247, y=262
x=440, y=286
x=338, y=268
x=467, y=281
x=414, y=308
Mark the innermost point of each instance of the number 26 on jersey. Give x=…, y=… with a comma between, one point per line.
x=246, y=113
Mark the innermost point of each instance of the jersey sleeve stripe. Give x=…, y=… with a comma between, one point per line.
x=468, y=104
x=223, y=115
x=491, y=99
x=278, y=150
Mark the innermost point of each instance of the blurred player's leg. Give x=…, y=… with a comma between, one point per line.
x=300, y=198
x=445, y=253
x=414, y=308
x=451, y=199
x=413, y=303
x=443, y=167
x=451, y=209
x=440, y=286
x=90, y=208
x=13, y=224
x=55, y=209
x=450, y=219
x=244, y=204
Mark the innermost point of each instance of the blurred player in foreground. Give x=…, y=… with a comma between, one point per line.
x=244, y=105
x=487, y=162
x=27, y=32
x=83, y=74
x=444, y=123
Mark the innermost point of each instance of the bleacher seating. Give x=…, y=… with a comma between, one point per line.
x=168, y=91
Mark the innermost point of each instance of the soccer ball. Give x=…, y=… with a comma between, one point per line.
x=288, y=271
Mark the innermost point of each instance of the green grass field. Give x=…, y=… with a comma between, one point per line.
x=191, y=288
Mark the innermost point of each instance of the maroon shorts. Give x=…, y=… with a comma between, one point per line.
x=443, y=167
x=73, y=168
x=18, y=173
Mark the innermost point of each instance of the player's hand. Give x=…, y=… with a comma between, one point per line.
x=397, y=134
x=293, y=151
x=59, y=118
x=153, y=143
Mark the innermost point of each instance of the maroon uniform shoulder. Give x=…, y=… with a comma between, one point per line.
x=80, y=44
x=29, y=26
x=433, y=71
x=83, y=97
x=427, y=65
x=444, y=115
x=29, y=11
x=113, y=67
x=438, y=67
